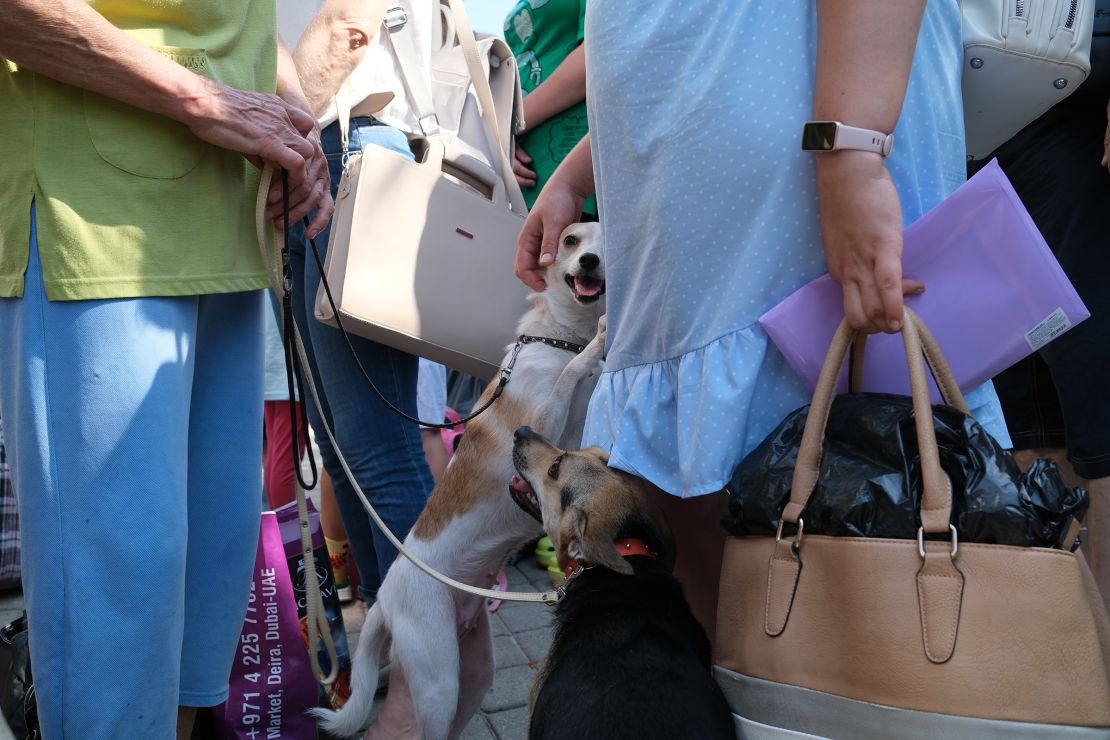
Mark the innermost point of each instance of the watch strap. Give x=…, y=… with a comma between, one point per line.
x=850, y=137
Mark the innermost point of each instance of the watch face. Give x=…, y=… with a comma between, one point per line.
x=819, y=136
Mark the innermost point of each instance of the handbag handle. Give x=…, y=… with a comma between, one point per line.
x=950, y=391
x=936, y=501
x=469, y=46
x=419, y=93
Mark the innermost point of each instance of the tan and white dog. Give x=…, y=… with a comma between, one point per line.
x=437, y=638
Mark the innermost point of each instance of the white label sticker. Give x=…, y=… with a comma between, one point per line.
x=1053, y=326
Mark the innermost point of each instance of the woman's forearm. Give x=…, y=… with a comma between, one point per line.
x=864, y=52
x=576, y=171
x=564, y=87
x=333, y=44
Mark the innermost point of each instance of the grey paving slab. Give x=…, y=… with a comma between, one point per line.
x=506, y=652
x=535, y=644
x=517, y=579
x=524, y=617
x=478, y=729
x=511, y=724
x=510, y=689
x=496, y=626
x=537, y=576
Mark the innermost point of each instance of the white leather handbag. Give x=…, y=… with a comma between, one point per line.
x=421, y=253
x=1021, y=57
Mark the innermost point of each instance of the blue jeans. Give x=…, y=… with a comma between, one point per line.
x=383, y=450
x=133, y=425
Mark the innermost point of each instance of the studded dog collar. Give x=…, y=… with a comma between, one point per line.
x=556, y=343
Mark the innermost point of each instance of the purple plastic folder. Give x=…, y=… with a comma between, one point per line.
x=994, y=294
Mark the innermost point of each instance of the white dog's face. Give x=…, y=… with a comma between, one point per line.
x=578, y=274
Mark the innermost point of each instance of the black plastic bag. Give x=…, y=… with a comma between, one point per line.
x=17, y=690
x=870, y=479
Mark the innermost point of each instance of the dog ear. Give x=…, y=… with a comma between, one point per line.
x=588, y=544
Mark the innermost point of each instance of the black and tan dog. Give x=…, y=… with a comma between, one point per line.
x=628, y=658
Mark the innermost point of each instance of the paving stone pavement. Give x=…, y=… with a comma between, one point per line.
x=521, y=638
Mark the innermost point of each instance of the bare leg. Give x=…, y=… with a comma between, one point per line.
x=397, y=718
x=1097, y=542
x=700, y=541
x=186, y=716
x=335, y=536
x=435, y=452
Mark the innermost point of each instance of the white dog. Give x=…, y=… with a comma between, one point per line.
x=438, y=638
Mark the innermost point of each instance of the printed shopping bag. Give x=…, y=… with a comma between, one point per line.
x=337, y=693
x=271, y=686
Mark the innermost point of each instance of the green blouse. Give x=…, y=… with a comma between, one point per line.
x=129, y=203
x=541, y=34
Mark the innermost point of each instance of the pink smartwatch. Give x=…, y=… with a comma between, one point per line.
x=832, y=136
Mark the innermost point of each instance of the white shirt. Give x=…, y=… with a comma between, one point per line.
x=378, y=71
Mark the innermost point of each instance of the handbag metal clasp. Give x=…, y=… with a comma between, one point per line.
x=795, y=546
x=921, y=541
x=395, y=18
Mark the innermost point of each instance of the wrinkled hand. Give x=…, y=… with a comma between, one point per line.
x=265, y=128
x=557, y=207
x=313, y=194
x=525, y=175
x=861, y=225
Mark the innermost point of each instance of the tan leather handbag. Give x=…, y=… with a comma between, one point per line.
x=866, y=637
x=421, y=253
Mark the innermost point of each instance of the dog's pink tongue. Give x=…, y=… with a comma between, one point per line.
x=519, y=485
x=587, y=286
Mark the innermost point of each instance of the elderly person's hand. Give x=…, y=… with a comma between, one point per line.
x=260, y=126
x=266, y=128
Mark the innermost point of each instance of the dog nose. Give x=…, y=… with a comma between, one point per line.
x=523, y=433
x=589, y=261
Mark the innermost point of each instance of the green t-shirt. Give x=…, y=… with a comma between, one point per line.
x=129, y=203
x=541, y=34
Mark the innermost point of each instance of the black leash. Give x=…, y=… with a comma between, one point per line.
x=294, y=373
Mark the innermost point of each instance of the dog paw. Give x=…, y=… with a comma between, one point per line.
x=601, y=326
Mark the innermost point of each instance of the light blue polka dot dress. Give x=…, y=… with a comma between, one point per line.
x=710, y=213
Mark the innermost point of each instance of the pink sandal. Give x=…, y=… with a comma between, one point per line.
x=502, y=585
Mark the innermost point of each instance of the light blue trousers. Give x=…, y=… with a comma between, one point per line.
x=135, y=427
